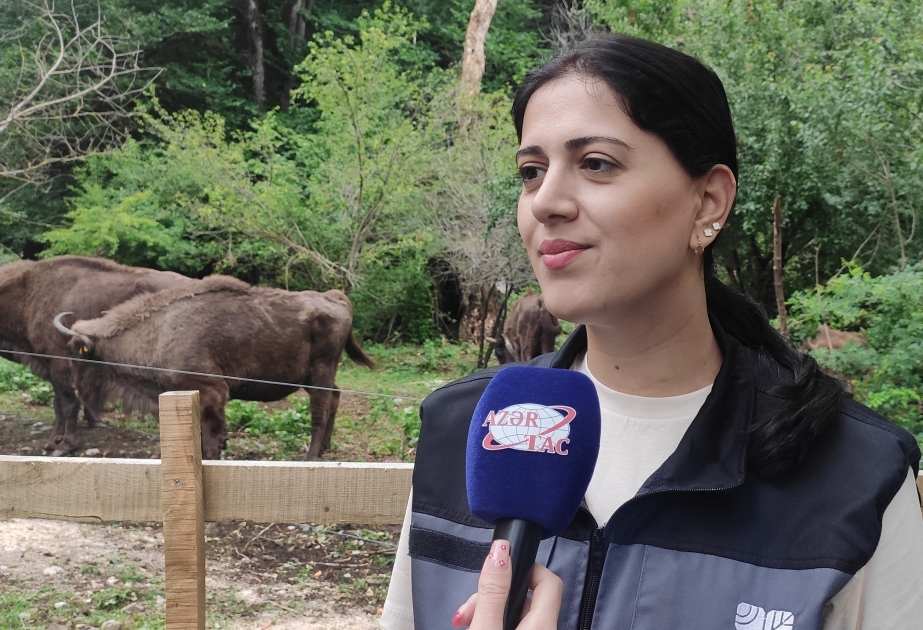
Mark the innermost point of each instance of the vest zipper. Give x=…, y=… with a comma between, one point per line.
x=591, y=586
x=598, y=555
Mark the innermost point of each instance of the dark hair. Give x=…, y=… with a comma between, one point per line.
x=677, y=97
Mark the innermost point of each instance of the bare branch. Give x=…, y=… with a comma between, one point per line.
x=73, y=94
x=570, y=25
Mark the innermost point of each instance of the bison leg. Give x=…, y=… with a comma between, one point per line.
x=92, y=419
x=320, y=409
x=66, y=410
x=332, y=407
x=214, y=427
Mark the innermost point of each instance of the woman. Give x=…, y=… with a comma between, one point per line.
x=736, y=486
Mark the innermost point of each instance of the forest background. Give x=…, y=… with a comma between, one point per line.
x=313, y=144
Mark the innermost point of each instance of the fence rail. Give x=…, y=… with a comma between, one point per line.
x=111, y=490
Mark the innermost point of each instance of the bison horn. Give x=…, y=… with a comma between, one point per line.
x=61, y=328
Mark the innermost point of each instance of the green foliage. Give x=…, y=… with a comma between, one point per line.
x=370, y=140
x=398, y=413
x=394, y=302
x=291, y=427
x=888, y=376
x=124, y=232
x=17, y=378
x=201, y=47
x=190, y=199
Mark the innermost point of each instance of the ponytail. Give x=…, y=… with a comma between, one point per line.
x=778, y=443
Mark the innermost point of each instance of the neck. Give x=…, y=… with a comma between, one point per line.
x=665, y=350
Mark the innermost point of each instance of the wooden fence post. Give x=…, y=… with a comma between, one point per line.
x=183, y=510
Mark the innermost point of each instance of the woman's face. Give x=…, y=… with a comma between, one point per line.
x=606, y=212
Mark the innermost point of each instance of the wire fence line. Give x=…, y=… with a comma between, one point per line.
x=206, y=374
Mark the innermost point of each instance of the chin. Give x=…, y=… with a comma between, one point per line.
x=561, y=306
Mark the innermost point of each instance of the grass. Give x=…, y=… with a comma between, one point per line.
x=15, y=378
x=36, y=608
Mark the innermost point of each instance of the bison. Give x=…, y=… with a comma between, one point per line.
x=219, y=325
x=831, y=339
x=530, y=330
x=33, y=292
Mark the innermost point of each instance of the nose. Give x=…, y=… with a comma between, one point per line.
x=555, y=199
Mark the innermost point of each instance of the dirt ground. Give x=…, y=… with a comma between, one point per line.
x=252, y=580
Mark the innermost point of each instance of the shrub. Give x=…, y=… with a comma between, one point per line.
x=888, y=376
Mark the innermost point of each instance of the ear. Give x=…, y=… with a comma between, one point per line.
x=718, y=188
x=81, y=346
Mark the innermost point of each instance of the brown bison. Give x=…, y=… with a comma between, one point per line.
x=831, y=339
x=219, y=325
x=530, y=330
x=32, y=293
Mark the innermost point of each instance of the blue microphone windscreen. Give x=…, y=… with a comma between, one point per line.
x=532, y=446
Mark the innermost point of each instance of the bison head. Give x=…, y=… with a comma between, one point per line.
x=79, y=345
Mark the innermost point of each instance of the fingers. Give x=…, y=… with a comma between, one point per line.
x=545, y=603
x=484, y=610
x=465, y=612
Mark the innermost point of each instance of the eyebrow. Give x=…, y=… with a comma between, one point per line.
x=577, y=143
x=574, y=144
x=529, y=150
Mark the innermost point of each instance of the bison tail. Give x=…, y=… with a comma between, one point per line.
x=354, y=352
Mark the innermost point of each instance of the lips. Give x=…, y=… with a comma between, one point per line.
x=557, y=253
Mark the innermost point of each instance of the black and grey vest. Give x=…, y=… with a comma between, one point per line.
x=703, y=545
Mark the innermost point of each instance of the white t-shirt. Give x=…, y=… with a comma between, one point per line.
x=638, y=434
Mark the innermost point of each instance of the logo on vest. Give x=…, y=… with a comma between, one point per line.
x=750, y=617
x=529, y=427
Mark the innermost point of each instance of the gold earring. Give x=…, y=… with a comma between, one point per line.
x=698, y=246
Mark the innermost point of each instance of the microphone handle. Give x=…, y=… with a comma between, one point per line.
x=524, y=537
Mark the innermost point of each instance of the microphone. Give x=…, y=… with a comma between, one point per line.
x=532, y=447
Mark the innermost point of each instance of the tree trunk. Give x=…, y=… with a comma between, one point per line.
x=255, y=37
x=484, y=349
x=473, y=57
x=777, y=264
x=296, y=24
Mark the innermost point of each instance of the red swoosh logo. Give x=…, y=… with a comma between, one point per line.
x=571, y=414
x=490, y=446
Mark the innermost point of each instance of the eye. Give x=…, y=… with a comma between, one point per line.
x=530, y=172
x=598, y=165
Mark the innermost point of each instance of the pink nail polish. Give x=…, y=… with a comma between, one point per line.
x=503, y=547
x=456, y=619
x=490, y=555
x=501, y=563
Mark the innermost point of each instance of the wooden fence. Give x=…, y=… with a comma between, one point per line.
x=184, y=492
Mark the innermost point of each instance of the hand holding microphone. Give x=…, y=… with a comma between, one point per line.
x=485, y=609
x=532, y=447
